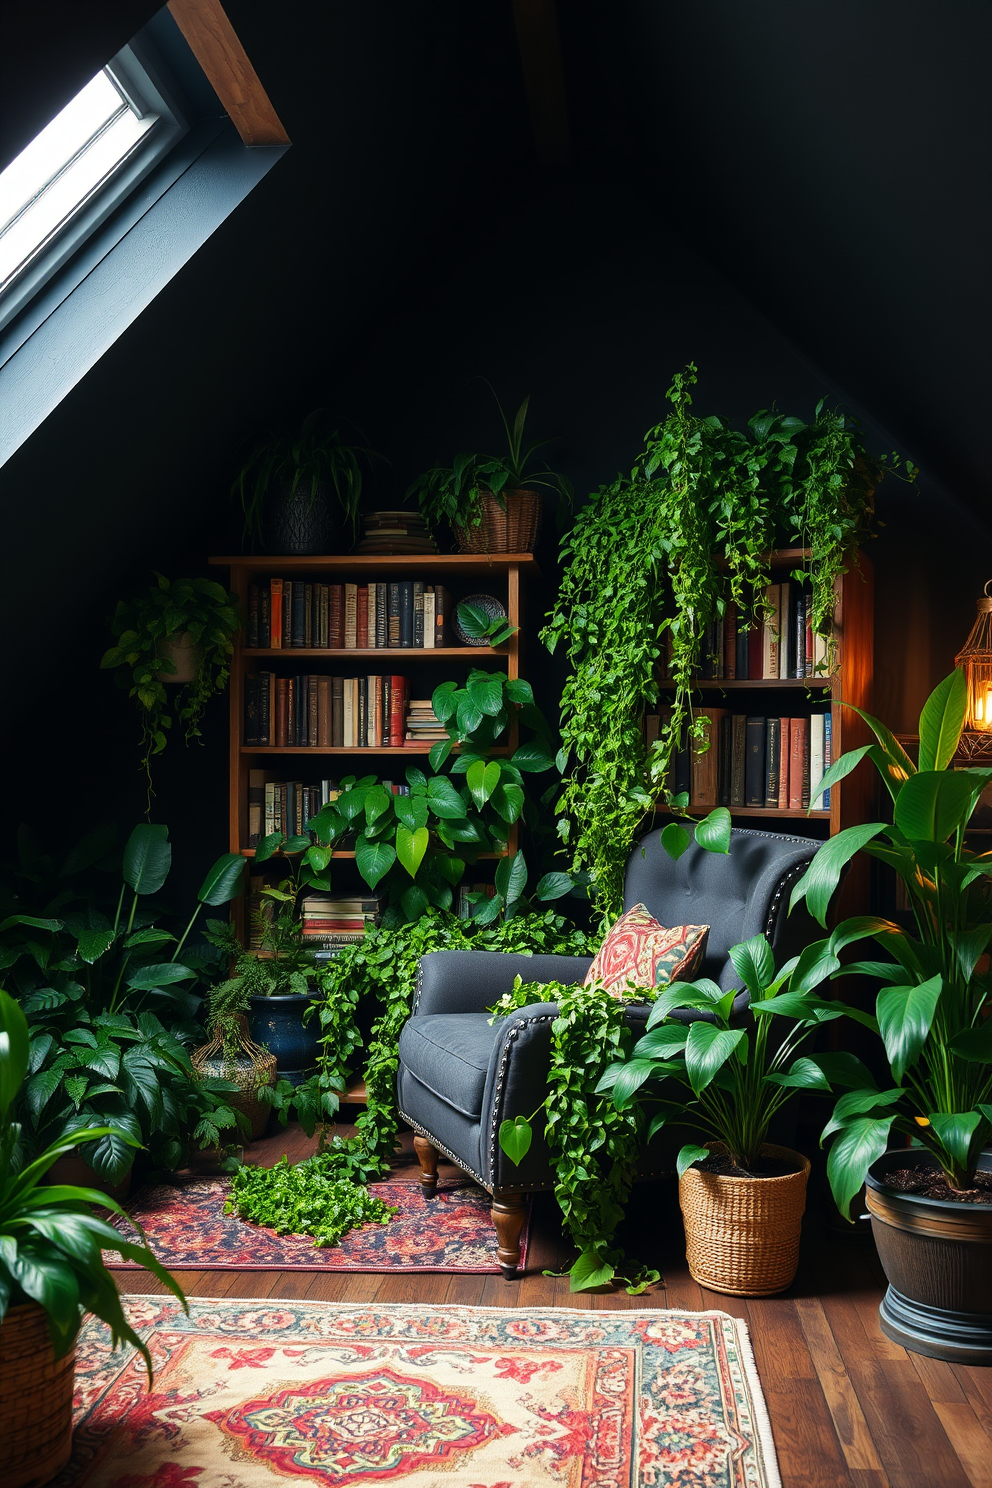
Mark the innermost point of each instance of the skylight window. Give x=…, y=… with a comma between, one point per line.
x=61, y=169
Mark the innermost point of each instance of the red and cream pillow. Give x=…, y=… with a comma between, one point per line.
x=639, y=950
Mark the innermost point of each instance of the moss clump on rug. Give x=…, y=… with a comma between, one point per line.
x=310, y=1198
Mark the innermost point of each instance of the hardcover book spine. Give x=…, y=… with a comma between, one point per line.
x=730, y=642
x=797, y=755
x=313, y=704
x=370, y=611
x=828, y=730
x=393, y=619
x=298, y=633
x=743, y=651
x=397, y=710
x=375, y=712
x=754, y=764
x=324, y=712
x=406, y=612
x=337, y=712
x=264, y=612
x=287, y=614
x=292, y=692
x=251, y=636
x=786, y=631
x=252, y=721
x=363, y=712
x=386, y=705
x=266, y=708
x=430, y=619
x=270, y=809
x=282, y=711
x=442, y=616
x=726, y=757
x=815, y=758
x=418, y=613
x=350, y=617
x=799, y=634
x=335, y=617
x=738, y=758
x=381, y=616
x=785, y=746
x=275, y=613
x=770, y=633
x=362, y=617
x=349, y=713
x=311, y=628
x=773, y=750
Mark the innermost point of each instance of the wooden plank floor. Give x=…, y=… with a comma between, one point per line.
x=848, y=1408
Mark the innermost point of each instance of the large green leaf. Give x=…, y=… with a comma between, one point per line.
x=974, y=1044
x=410, y=847
x=629, y=1079
x=486, y=691
x=955, y=1130
x=147, y=858
x=839, y=769
x=803, y=1074
x=161, y=974
x=531, y=758
x=511, y=876
x=933, y=806
x=942, y=720
x=508, y=802
x=904, y=1018
x=515, y=1138
x=482, y=779
x=754, y=963
x=412, y=812
x=707, y=1050
x=713, y=832
x=894, y=764
x=444, y=800
x=15, y=1043
x=821, y=878
x=553, y=886
x=224, y=881
x=852, y=1154
x=675, y=839
x=374, y=860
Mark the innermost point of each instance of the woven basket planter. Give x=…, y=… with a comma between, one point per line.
x=742, y=1234
x=249, y=1066
x=511, y=531
x=35, y=1400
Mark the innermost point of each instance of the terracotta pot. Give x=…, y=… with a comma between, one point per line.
x=184, y=653
x=35, y=1400
x=937, y=1257
x=742, y=1234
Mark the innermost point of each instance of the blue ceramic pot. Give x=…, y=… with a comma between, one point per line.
x=277, y=1022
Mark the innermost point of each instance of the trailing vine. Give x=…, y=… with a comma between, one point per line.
x=593, y=1146
x=665, y=550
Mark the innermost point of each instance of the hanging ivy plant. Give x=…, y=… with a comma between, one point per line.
x=665, y=549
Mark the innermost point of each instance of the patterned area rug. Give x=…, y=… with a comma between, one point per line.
x=187, y=1228
x=246, y=1393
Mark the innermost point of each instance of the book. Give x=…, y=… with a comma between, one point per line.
x=442, y=616
x=754, y=762
x=275, y=611
x=337, y=712
x=418, y=613
x=397, y=711
x=705, y=761
x=770, y=634
x=430, y=634
x=406, y=612
x=335, y=617
x=251, y=630
x=282, y=711
x=773, y=750
x=313, y=711
x=393, y=613
x=264, y=612
x=726, y=757
x=786, y=633
x=350, y=617
x=799, y=635
x=287, y=614
x=738, y=757
x=298, y=616
x=755, y=649
x=742, y=645
x=324, y=713
x=362, y=725
x=350, y=723
x=815, y=757
x=362, y=617
x=730, y=642
x=828, y=729
x=798, y=734
x=785, y=745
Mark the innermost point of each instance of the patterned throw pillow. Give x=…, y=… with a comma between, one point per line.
x=641, y=951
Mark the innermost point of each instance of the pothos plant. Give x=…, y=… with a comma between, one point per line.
x=416, y=849
x=665, y=549
x=197, y=607
x=382, y=968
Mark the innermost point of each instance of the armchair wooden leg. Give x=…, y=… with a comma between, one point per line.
x=427, y=1156
x=508, y=1216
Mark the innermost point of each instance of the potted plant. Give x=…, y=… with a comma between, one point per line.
x=188, y=624
x=51, y=1272
x=292, y=488
x=232, y=1054
x=931, y=1203
x=490, y=501
x=108, y=996
x=742, y=1198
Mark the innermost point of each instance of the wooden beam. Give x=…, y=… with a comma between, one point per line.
x=215, y=45
x=540, y=58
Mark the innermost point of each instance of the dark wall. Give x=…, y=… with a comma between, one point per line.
x=406, y=244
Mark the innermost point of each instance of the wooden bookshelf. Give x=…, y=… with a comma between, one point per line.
x=852, y=800
x=464, y=574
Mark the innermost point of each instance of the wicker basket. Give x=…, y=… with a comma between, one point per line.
x=511, y=531
x=248, y=1066
x=35, y=1400
x=742, y=1234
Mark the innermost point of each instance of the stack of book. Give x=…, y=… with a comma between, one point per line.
x=395, y=532
x=318, y=712
x=328, y=921
x=784, y=645
x=771, y=763
x=394, y=614
x=422, y=724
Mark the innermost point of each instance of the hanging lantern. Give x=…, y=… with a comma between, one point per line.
x=975, y=659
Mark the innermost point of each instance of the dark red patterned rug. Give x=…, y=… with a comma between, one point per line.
x=188, y=1230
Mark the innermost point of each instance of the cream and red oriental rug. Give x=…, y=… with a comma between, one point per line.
x=255, y=1393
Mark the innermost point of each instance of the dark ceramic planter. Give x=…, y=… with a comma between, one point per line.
x=937, y=1257
x=301, y=522
x=277, y=1022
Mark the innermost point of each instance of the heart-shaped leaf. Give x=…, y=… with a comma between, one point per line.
x=374, y=860
x=410, y=847
x=515, y=1138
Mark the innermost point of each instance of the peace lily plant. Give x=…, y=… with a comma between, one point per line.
x=931, y=1013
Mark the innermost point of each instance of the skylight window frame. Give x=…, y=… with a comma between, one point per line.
x=143, y=86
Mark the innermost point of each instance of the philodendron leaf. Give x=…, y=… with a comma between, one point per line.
x=224, y=881
x=553, y=886
x=147, y=858
x=374, y=860
x=589, y=1271
x=482, y=779
x=942, y=720
x=444, y=800
x=163, y=974
x=904, y=1018
x=511, y=876
x=691, y=1153
x=852, y=1154
x=713, y=832
x=675, y=839
x=821, y=878
x=515, y=1138
x=410, y=847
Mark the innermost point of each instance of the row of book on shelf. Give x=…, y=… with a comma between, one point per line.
x=391, y=614
x=784, y=645
x=318, y=712
x=288, y=805
x=774, y=763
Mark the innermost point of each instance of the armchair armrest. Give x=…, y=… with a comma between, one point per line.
x=471, y=981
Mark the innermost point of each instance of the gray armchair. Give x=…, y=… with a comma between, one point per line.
x=460, y=1077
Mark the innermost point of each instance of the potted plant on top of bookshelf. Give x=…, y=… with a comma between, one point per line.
x=194, y=620
x=931, y=1205
x=490, y=501
x=292, y=488
x=742, y=1198
x=51, y=1272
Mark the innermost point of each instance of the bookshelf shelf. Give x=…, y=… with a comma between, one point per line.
x=765, y=812
x=463, y=574
x=343, y=852
x=821, y=684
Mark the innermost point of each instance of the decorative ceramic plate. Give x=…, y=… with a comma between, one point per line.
x=489, y=606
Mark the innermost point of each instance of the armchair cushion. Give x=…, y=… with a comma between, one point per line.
x=641, y=951
x=450, y=1054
